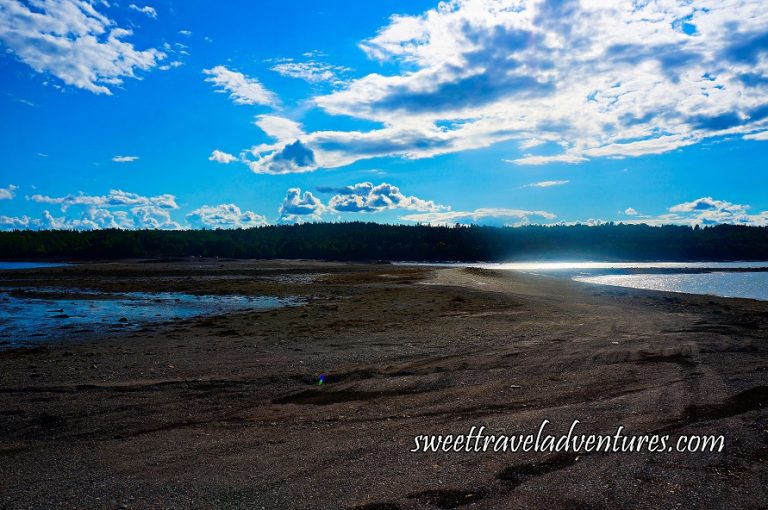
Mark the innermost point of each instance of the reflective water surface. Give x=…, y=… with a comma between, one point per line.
x=29, y=265
x=750, y=284
x=575, y=266
x=30, y=315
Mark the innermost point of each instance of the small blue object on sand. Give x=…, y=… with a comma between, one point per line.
x=322, y=380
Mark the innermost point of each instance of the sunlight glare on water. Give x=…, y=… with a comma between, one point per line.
x=753, y=285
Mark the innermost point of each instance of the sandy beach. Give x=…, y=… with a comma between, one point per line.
x=226, y=411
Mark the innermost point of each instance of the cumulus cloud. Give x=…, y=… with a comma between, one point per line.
x=8, y=193
x=153, y=217
x=496, y=214
x=149, y=11
x=297, y=207
x=124, y=159
x=241, y=89
x=95, y=218
x=117, y=209
x=706, y=211
x=598, y=79
x=72, y=40
x=222, y=157
x=293, y=157
x=629, y=211
x=367, y=197
x=225, y=216
x=312, y=71
x=546, y=184
x=115, y=198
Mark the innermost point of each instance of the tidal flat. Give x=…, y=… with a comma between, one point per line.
x=227, y=411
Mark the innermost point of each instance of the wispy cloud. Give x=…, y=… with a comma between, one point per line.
x=149, y=11
x=279, y=128
x=14, y=222
x=73, y=41
x=530, y=159
x=124, y=159
x=546, y=184
x=762, y=135
x=241, y=89
x=500, y=214
x=312, y=71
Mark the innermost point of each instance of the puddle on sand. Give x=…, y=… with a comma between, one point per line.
x=34, y=315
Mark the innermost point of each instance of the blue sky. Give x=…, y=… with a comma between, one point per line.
x=170, y=114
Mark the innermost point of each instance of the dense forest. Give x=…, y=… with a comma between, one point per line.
x=372, y=241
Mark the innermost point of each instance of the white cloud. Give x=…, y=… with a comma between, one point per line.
x=71, y=40
x=225, y=216
x=367, y=197
x=450, y=217
x=642, y=147
x=546, y=184
x=297, y=207
x=629, y=211
x=529, y=159
x=185, y=33
x=763, y=135
x=153, y=217
x=149, y=11
x=171, y=65
x=115, y=198
x=279, y=128
x=124, y=159
x=8, y=193
x=312, y=71
x=599, y=79
x=293, y=157
x=97, y=218
x=14, y=222
x=706, y=211
x=241, y=89
x=222, y=157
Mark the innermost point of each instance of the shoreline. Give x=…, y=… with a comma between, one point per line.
x=226, y=410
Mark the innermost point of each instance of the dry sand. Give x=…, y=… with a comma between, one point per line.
x=224, y=412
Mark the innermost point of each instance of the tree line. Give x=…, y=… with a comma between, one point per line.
x=359, y=241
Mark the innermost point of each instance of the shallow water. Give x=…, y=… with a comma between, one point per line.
x=29, y=265
x=575, y=266
x=30, y=316
x=753, y=285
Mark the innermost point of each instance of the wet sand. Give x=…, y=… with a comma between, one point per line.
x=225, y=412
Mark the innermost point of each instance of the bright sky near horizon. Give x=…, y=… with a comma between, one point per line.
x=178, y=114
